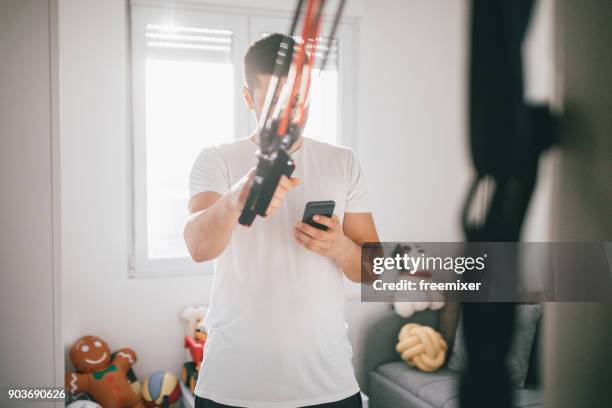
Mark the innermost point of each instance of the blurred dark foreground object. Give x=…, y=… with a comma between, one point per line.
x=507, y=136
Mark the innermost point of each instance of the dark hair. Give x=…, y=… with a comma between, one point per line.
x=261, y=57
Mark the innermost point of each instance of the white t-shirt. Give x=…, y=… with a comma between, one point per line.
x=276, y=320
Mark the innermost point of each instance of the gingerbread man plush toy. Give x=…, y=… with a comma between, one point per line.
x=99, y=375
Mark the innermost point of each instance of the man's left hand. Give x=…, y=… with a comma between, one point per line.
x=331, y=243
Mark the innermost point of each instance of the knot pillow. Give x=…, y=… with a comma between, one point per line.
x=421, y=347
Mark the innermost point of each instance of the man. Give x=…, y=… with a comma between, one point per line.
x=276, y=323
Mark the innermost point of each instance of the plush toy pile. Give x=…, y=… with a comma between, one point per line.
x=421, y=347
x=108, y=379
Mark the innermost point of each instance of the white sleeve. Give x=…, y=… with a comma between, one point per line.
x=209, y=173
x=356, y=197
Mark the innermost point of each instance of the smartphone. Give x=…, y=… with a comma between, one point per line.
x=325, y=208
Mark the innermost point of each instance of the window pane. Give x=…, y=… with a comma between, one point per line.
x=323, y=112
x=189, y=105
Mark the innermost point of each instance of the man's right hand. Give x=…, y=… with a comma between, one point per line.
x=240, y=190
x=213, y=217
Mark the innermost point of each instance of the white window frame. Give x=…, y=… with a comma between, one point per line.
x=247, y=24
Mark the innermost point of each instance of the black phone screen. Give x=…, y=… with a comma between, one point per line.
x=325, y=208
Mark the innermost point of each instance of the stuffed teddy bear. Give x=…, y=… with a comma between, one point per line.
x=100, y=375
x=200, y=331
x=433, y=300
x=194, y=322
x=194, y=340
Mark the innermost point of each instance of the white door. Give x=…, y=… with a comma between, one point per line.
x=30, y=314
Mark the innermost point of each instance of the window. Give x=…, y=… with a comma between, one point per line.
x=323, y=114
x=187, y=94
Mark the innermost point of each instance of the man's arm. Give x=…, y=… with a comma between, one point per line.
x=359, y=228
x=210, y=224
x=342, y=241
x=213, y=216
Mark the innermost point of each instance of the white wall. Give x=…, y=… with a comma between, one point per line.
x=413, y=124
x=95, y=130
x=412, y=127
x=411, y=139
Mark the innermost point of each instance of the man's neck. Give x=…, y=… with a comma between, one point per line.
x=298, y=143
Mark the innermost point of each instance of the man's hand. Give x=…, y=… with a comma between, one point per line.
x=331, y=243
x=238, y=195
x=213, y=217
x=239, y=191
